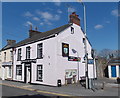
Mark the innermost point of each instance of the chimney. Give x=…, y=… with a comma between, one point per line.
x=33, y=32
x=11, y=42
x=74, y=18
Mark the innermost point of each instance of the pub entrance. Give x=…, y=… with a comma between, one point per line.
x=27, y=73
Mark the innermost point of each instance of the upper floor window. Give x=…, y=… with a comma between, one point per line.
x=72, y=30
x=19, y=54
x=28, y=52
x=40, y=51
x=84, y=40
x=11, y=55
x=4, y=56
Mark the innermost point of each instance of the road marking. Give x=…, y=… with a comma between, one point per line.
x=39, y=91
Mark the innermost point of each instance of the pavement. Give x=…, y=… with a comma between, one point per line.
x=102, y=87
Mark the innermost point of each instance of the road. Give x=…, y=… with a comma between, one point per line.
x=12, y=92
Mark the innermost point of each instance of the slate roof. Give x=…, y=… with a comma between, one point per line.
x=43, y=35
x=8, y=47
x=114, y=61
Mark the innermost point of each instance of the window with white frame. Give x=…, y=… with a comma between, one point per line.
x=40, y=51
x=19, y=54
x=11, y=55
x=10, y=71
x=72, y=30
x=4, y=56
x=39, y=73
x=19, y=70
x=28, y=52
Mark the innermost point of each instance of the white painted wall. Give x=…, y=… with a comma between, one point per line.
x=4, y=71
x=109, y=71
x=54, y=65
x=117, y=70
x=0, y=65
x=75, y=41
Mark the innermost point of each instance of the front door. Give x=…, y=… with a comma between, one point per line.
x=113, y=71
x=27, y=73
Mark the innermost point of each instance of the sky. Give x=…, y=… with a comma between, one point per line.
x=102, y=20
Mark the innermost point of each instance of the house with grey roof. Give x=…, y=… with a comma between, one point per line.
x=55, y=56
x=6, y=60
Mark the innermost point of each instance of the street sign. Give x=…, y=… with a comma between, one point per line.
x=90, y=61
x=71, y=58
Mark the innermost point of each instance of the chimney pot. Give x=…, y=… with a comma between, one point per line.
x=74, y=18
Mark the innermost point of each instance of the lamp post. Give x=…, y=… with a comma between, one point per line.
x=86, y=54
x=74, y=51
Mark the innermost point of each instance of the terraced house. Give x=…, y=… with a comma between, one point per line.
x=6, y=60
x=53, y=56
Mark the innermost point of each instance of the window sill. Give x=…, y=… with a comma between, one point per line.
x=18, y=60
x=40, y=80
x=39, y=58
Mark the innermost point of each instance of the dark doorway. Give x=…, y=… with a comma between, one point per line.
x=27, y=73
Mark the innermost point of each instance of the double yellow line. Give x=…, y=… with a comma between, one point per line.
x=39, y=91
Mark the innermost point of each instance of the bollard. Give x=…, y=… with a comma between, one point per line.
x=59, y=83
x=103, y=85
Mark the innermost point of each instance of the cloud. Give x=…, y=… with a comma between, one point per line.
x=59, y=11
x=98, y=26
x=45, y=15
x=56, y=17
x=28, y=14
x=41, y=23
x=115, y=12
x=107, y=22
x=57, y=2
x=48, y=16
x=36, y=18
x=28, y=23
x=70, y=9
x=47, y=22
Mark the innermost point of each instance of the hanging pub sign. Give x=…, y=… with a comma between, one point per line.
x=71, y=58
x=90, y=61
x=65, y=50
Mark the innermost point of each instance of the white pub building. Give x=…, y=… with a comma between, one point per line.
x=54, y=56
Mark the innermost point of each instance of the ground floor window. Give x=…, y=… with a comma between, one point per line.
x=10, y=70
x=119, y=70
x=39, y=73
x=19, y=70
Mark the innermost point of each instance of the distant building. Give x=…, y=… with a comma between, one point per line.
x=114, y=68
x=6, y=60
x=54, y=56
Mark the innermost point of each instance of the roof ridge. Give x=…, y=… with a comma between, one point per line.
x=37, y=37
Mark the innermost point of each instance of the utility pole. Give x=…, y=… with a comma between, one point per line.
x=85, y=43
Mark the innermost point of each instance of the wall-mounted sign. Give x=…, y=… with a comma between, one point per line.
x=90, y=61
x=29, y=61
x=69, y=73
x=65, y=50
x=71, y=58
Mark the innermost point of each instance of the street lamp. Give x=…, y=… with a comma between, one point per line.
x=74, y=51
x=86, y=54
x=84, y=14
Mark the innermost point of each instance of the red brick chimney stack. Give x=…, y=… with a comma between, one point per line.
x=74, y=18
